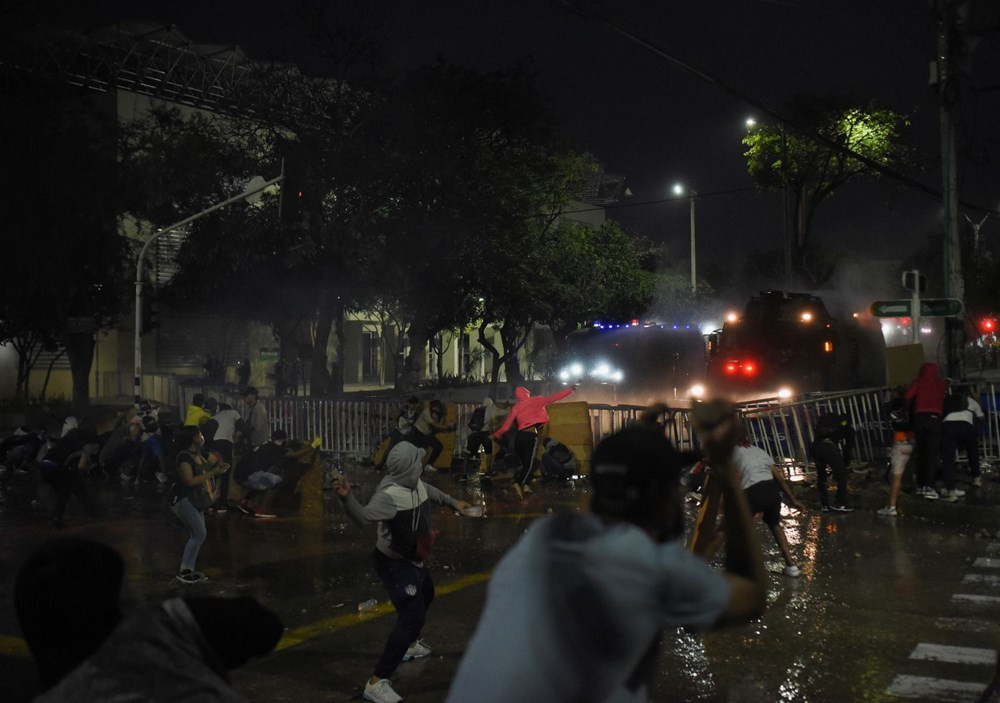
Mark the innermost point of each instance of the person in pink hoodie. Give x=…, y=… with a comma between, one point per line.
x=530, y=415
x=926, y=395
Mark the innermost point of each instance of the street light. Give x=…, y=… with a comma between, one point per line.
x=692, y=194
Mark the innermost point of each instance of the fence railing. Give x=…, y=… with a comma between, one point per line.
x=785, y=429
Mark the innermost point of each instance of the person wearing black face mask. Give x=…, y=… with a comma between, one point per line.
x=577, y=606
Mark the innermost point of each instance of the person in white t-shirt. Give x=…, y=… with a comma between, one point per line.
x=960, y=430
x=575, y=609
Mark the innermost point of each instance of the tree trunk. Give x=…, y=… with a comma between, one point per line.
x=413, y=366
x=511, y=346
x=495, y=355
x=319, y=375
x=80, y=350
x=337, y=369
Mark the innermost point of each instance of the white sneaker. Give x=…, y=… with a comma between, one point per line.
x=930, y=494
x=161, y=477
x=792, y=570
x=430, y=469
x=957, y=492
x=977, y=481
x=417, y=650
x=381, y=692
x=889, y=511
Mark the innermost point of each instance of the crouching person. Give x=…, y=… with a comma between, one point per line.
x=605, y=584
x=401, y=507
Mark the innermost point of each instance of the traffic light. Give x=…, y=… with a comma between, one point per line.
x=988, y=325
x=150, y=314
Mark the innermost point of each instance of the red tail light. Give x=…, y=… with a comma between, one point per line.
x=732, y=366
x=828, y=346
x=749, y=368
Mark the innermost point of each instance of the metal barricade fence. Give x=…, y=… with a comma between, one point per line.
x=785, y=428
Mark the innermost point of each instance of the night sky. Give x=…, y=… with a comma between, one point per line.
x=655, y=123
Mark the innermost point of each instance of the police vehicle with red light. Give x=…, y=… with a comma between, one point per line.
x=788, y=343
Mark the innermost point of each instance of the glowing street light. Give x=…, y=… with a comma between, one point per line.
x=692, y=194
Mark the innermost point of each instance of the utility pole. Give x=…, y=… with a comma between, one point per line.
x=944, y=73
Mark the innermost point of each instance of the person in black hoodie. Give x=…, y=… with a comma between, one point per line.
x=401, y=508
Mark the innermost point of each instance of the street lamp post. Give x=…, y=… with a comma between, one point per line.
x=254, y=188
x=692, y=194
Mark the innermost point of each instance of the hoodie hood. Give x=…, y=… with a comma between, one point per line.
x=405, y=464
x=928, y=370
x=487, y=402
x=522, y=393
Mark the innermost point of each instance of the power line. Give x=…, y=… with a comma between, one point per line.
x=654, y=48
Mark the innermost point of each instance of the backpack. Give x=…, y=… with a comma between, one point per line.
x=955, y=402
x=203, y=495
x=478, y=419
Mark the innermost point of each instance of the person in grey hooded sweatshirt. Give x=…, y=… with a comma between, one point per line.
x=401, y=507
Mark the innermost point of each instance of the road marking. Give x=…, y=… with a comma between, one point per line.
x=987, y=563
x=13, y=647
x=954, y=655
x=943, y=690
x=993, y=547
x=964, y=624
x=298, y=635
x=987, y=579
x=977, y=599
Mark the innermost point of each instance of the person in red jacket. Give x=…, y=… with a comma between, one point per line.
x=926, y=396
x=530, y=415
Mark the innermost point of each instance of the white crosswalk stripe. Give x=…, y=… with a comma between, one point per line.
x=987, y=563
x=975, y=598
x=985, y=579
x=942, y=690
x=954, y=655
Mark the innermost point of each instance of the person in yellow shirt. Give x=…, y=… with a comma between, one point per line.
x=196, y=412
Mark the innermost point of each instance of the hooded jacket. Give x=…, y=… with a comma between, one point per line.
x=927, y=390
x=400, y=506
x=529, y=410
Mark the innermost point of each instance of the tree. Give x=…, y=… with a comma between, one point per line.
x=65, y=268
x=824, y=144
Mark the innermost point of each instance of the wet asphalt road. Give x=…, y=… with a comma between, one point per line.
x=883, y=608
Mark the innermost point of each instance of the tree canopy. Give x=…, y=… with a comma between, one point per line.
x=825, y=143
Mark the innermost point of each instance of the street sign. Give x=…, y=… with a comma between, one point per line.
x=929, y=307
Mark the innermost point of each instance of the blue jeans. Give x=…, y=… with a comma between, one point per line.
x=194, y=519
x=411, y=592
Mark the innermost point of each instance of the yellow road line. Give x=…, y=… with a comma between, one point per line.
x=13, y=647
x=305, y=633
x=17, y=647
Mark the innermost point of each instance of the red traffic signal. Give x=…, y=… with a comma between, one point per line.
x=988, y=325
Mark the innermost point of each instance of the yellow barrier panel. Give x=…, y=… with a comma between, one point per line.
x=569, y=422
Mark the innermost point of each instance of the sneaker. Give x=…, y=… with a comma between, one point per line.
x=889, y=511
x=947, y=497
x=792, y=570
x=930, y=494
x=188, y=576
x=220, y=509
x=957, y=492
x=381, y=692
x=825, y=509
x=977, y=481
x=161, y=477
x=841, y=509
x=431, y=470
x=243, y=509
x=417, y=650
x=264, y=515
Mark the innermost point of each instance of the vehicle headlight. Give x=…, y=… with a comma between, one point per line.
x=697, y=391
x=617, y=376
x=564, y=375
x=602, y=370
x=784, y=392
x=576, y=370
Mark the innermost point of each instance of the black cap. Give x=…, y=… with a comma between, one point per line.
x=250, y=390
x=632, y=472
x=279, y=434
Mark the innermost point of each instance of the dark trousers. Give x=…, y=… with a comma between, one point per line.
x=827, y=453
x=67, y=483
x=525, y=445
x=480, y=439
x=411, y=591
x=927, y=447
x=955, y=435
x=427, y=441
